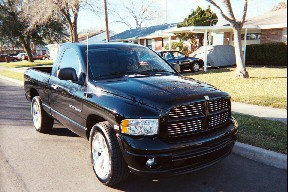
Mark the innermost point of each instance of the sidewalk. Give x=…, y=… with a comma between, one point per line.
x=259, y=111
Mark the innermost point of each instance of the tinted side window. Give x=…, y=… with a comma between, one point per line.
x=70, y=59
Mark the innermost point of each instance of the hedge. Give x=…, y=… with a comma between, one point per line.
x=269, y=54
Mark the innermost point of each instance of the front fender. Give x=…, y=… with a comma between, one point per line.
x=116, y=108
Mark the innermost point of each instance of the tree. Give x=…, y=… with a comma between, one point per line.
x=16, y=31
x=140, y=11
x=198, y=17
x=39, y=12
x=237, y=29
x=281, y=5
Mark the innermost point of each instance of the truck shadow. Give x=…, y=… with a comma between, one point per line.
x=231, y=174
x=59, y=131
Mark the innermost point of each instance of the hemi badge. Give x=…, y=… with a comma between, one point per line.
x=207, y=98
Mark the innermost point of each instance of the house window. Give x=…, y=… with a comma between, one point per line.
x=165, y=41
x=149, y=43
x=252, y=36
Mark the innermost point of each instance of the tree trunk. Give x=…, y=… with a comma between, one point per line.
x=27, y=48
x=73, y=32
x=241, y=69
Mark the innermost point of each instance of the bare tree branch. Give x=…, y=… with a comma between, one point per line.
x=230, y=20
x=140, y=11
x=39, y=12
x=228, y=5
x=244, y=12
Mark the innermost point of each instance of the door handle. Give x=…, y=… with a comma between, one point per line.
x=54, y=86
x=58, y=87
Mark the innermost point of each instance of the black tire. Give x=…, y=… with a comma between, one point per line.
x=195, y=67
x=46, y=121
x=119, y=169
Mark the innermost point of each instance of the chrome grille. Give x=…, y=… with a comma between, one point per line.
x=185, y=127
x=218, y=120
x=186, y=111
x=218, y=105
x=198, y=117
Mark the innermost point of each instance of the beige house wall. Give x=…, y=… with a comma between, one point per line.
x=273, y=35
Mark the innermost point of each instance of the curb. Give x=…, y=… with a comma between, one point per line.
x=20, y=83
x=264, y=156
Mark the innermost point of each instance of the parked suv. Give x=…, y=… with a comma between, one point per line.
x=137, y=112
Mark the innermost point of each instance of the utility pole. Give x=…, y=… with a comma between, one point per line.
x=166, y=12
x=106, y=21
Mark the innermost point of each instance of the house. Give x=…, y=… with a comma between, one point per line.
x=152, y=37
x=270, y=27
x=273, y=26
x=93, y=38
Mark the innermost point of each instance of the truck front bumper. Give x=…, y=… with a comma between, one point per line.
x=157, y=157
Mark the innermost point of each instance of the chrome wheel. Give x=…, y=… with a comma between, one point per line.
x=36, y=114
x=101, y=156
x=196, y=67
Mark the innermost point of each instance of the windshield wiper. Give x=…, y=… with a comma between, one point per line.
x=114, y=74
x=156, y=71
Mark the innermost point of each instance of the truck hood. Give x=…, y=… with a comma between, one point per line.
x=160, y=92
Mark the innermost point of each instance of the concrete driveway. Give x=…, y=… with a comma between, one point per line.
x=30, y=161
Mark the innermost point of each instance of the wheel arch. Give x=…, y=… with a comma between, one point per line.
x=33, y=93
x=91, y=120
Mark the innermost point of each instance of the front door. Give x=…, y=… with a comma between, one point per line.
x=66, y=96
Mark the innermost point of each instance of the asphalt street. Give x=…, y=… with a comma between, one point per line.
x=59, y=161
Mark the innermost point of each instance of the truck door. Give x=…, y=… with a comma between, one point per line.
x=66, y=96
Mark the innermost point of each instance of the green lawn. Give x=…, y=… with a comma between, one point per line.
x=265, y=87
x=262, y=133
x=21, y=64
x=12, y=75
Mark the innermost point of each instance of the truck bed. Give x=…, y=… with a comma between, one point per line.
x=37, y=78
x=42, y=69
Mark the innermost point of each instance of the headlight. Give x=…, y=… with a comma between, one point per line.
x=140, y=126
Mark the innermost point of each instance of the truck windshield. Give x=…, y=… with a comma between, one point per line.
x=105, y=63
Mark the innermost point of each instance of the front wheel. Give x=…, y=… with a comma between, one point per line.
x=42, y=122
x=107, y=160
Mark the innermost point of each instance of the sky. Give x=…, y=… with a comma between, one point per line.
x=178, y=10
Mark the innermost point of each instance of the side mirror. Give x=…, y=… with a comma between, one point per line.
x=68, y=74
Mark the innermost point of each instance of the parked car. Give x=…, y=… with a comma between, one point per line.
x=6, y=58
x=37, y=57
x=137, y=112
x=176, y=58
x=19, y=56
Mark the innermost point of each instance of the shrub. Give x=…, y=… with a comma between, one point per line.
x=177, y=46
x=269, y=54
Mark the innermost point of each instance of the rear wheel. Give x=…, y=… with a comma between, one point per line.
x=195, y=67
x=42, y=121
x=107, y=160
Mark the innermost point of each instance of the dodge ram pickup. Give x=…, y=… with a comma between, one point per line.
x=139, y=115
